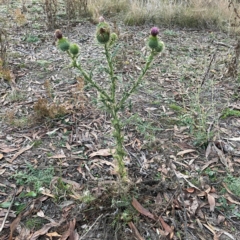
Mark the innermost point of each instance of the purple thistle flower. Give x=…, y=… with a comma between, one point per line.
x=101, y=19
x=154, y=31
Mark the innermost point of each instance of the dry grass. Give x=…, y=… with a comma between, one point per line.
x=185, y=13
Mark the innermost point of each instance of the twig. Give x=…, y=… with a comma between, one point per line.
x=223, y=44
x=91, y=227
x=209, y=67
x=9, y=208
x=184, y=208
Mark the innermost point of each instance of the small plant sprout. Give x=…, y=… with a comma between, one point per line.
x=108, y=96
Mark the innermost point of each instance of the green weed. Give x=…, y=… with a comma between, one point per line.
x=144, y=127
x=233, y=184
x=61, y=190
x=176, y=108
x=34, y=178
x=35, y=223
x=31, y=39
x=230, y=113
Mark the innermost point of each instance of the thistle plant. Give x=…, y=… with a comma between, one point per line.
x=108, y=96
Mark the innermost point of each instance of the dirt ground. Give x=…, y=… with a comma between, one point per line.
x=183, y=146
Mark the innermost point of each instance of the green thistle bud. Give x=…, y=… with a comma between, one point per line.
x=160, y=47
x=153, y=42
x=113, y=38
x=103, y=32
x=74, y=49
x=63, y=44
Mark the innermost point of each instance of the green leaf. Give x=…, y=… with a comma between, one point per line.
x=5, y=204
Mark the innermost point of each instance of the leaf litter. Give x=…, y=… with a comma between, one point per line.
x=171, y=177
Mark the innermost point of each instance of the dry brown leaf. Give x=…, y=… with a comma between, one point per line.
x=166, y=227
x=1, y=156
x=158, y=199
x=45, y=229
x=8, y=150
x=104, y=162
x=220, y=219
x=190, y=190
x=70, y=230
x=58, y=156
x=208, y=150
x=181, y=153
x=215, y=160
x=229, y=198
x=228, y=190
x=141, y=209
x=68, y=146
x=221, y=157
x=210, y=228
x=194, y=206
x=70, y=182
x=20, y=152
x=19, y=190
x=135, y=231
x=14, y=224
x=103, y=152
x=211, y=201
x=53, y=234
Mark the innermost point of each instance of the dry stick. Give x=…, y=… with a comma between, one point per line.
x=91, y=227
x=184, y=208
x=181, y=197
x=223, y=44
x=9, y=208
x=209, y=67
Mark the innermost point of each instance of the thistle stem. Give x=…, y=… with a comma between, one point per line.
x=90, y=80
x=111, y=73
x=136, y=84
x=120, y=152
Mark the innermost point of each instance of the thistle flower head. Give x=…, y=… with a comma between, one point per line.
x=58, y=34
x=63, y=44
x=103, y=32
x=101, y=19
x=74, y=49
x=154, y=31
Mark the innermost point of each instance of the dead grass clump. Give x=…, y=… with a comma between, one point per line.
x=5, y=73
x=19, y=18
x=78, y=94
x=184, y=13
x=107, y=7
x=50, y=8
x=17, y=121
x=3, y=49
x=76, y=8
x=43, y=109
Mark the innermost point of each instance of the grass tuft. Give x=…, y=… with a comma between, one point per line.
x=193, y=14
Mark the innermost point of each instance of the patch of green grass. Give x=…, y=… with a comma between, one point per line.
x=126, y=211
x=61, y=190
x=43, y=63
x=31, y=39
x=87, y=197
x=144, y=127
x=176, y=108
x=225, y=206
x=37, y=143
x=230, y=113
x=34, y=178
x=35, y=223
x=211, y=173
x=16, y=96
x=233, y=183
x=170, y=33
